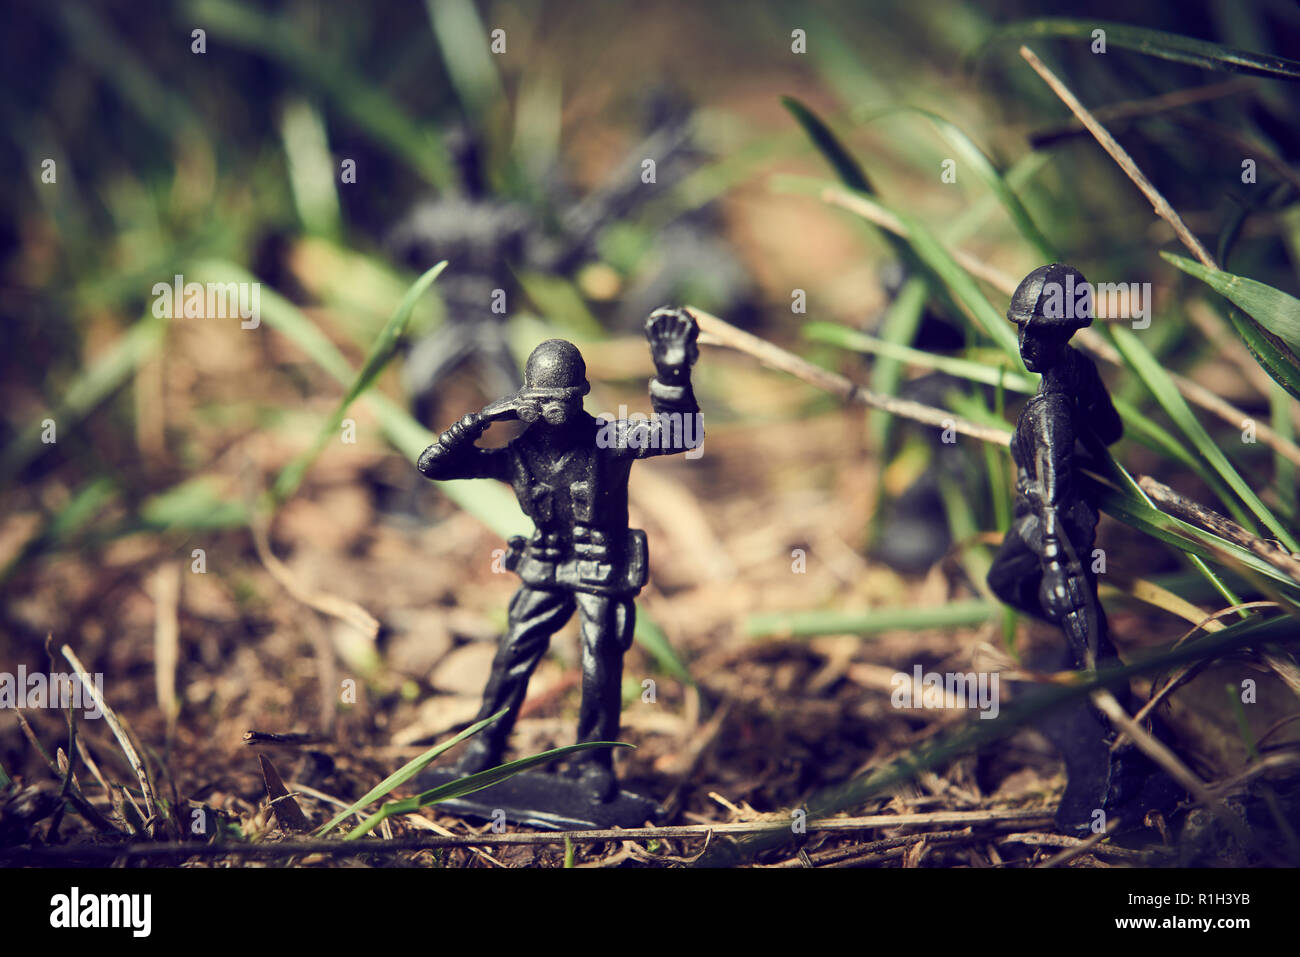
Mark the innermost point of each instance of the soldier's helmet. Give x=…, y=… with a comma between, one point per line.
x=1052, y=298
x=555, y=370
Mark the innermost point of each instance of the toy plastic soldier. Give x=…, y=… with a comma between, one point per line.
x=1039, y=568
x=570, y=473
x=1044, y=567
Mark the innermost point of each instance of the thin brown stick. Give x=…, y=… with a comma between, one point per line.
x=1196, y=514
x=123, y=740
x=1161, y=755
x=323, y=602
x=860, y=853
x=166, y=641
x=1062, y=840
x=425, y=842
x=1121, y=157
x=1084, y=847
x=1153, y=749
x=717, y=332
x=860, y=206
x=73, y=792
x=1174, y=99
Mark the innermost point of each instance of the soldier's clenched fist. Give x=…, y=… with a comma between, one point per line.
x=672, y=334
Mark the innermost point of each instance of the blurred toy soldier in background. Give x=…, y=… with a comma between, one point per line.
x=570, y=473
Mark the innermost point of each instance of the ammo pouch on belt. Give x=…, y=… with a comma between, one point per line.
x=593, y=565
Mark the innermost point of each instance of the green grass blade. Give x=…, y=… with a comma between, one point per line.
x=352, y=94
x=1156, y=43
x=465, y=47
x=1275, y=310
x=489, y=502
x=899, y=327
x=310, y=167
x=971, y=222
x=652, y=638
x=405, y=773
x=1186, y=538
x=924, y=246
x=970, y=156
x=808, y=624
x=91, y=387
x=845, y=165
x=981, y=372
x=1136, y=496
x=385, y=346
x=1139, y=427
x=1268, y=323
x=1162, y=387
x=193, y=504
x=470, y=784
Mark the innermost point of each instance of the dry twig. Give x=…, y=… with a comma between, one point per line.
x=717, y=332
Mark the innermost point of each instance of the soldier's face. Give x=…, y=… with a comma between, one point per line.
x=1040, y=349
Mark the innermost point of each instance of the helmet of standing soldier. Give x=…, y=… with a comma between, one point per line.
x=553, y=375
x=555, y=370
x=1054, y=298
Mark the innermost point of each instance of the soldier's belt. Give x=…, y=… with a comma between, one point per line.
x=613, y=568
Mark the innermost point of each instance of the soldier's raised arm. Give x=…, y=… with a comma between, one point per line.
x=677, y=425
x=454, y=455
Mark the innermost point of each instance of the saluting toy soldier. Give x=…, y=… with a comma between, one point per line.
x=1044, y=567
x=570, y=473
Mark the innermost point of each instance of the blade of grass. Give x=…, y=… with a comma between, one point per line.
x=1269, y=321
x=489, y=502
x=810, y=624
x=470, y=784
x=100, y=380
x=1138, y=426
x=1186, y=538
x=1157, y=381
x=1156, y=43
x=899, y=328
x=926, y=247
x=404, y=774
x=652, y=638
x=464, y=44
x=385, y=346
x=353, y=95
x=846, y=167
x=970, y=156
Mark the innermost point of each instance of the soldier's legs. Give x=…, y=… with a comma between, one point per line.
x=607, y=626
x=1081, y=535
x=1016, y=573
x=535, y=615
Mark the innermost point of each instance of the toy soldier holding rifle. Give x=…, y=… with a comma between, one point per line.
x=1044, y=567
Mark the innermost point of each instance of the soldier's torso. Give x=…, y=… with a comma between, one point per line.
x=1048, y=426
x=577, y=498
